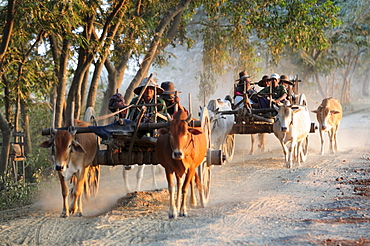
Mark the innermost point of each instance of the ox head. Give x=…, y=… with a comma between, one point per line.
x=322, y=115
x=181, y=135
x=285, y=115
x=62, y=146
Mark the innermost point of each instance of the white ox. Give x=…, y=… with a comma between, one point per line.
x=292, y=125
x=139, y=177
x=329, y=115
x=221, y=125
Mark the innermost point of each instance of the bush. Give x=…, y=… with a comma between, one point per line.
x=16, y=194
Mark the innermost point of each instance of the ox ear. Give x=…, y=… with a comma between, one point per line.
x=47, y=143
x=78, y=147
x=163, y=131
x=334, y=112
x=194, y=131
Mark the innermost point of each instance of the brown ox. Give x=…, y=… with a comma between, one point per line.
x=73, y=155
x=329, y=115
x=180, y=150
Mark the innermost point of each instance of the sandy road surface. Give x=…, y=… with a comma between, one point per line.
x=254, y=201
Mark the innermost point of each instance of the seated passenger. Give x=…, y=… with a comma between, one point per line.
x=116, y=103
x=274, y=93
x=171, y=99
x=148, y=97
x=244, y=91
x=265, y=81
x=284, y=80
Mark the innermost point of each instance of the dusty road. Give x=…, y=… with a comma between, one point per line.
x=254, y=201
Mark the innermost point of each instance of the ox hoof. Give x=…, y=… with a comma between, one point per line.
x=64, y=215
x=78, y=214
x=287, y=165
x=184, y=215
x=172, y=216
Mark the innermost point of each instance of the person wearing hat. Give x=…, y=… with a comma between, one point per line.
x=265, y=81
x=244, y=78
x=149, y=96
x=169, y=95
x=284, y=80
x=116, y=103
x=244, y=87
x=279, y=92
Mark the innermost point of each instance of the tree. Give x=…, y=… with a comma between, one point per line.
x=236, y=31
x=4, y=124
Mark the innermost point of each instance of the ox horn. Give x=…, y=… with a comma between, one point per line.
x=169, y=118
x=188, y=119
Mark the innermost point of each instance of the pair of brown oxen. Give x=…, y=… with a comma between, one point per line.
x=73, y=155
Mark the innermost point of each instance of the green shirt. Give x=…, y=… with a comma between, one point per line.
x=279, y=90
x=148, y=115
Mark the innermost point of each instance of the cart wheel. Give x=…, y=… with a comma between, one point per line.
x=228, y=147
x=304, y=150
x=302, y=100
x=204, y=171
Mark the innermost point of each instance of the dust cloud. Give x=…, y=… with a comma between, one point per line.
x=111, y=188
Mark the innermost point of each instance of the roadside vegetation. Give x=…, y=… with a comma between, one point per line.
x=53, y=53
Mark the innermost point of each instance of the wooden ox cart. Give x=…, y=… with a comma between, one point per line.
x=250, y=120
x=120, y=145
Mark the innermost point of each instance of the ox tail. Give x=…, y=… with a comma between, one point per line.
x=91, y=184
x=197, y=182
x=73, y=182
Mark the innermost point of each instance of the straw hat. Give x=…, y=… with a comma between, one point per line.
x=262, y=82
x=151, y=83
x=285, y=79
x=169, y=88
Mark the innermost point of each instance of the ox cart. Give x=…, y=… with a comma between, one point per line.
x=250, y=120
x=122, y=145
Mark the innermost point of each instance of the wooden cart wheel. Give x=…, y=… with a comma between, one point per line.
x=228, y=147
x=304, y=150
x=204, y=171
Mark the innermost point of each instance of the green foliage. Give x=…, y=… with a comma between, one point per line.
x=39, y=162
x=15, y=194
x=234, y=31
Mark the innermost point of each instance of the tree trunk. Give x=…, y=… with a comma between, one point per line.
x=7, y=32
x=6, y=98
x=26, y=128
x=61, y=56
x=115, y=78
x=345, y=98
x=152, y=52
x=84, y=86
x=74, y=93
x=5, y=148
x=319, y=85
x=365, y=84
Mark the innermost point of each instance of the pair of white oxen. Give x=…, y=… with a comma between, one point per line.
x=292, y=126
